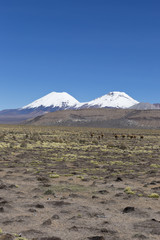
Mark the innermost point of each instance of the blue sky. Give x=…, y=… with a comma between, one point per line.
x=84, y=47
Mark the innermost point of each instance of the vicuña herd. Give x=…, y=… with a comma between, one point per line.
x=116, y=136
x=128, y=136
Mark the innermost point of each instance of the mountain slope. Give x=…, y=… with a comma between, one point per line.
x=143, y=106
x=15, y=116
x=100, y=117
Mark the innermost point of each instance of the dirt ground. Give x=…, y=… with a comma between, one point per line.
x=79, y=183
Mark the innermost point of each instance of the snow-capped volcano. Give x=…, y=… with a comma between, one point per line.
x=114, y=100
x=54, y=100
x=59, y=101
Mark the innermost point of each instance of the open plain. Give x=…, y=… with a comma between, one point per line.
x=68, y=183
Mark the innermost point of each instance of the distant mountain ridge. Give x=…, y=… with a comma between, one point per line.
x=157, y=105
x=56, y=101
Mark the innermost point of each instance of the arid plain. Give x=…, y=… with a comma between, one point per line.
x=68, y=183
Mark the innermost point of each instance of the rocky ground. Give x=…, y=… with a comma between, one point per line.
x=79, y=184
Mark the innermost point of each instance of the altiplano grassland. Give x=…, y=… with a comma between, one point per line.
x=79, y=183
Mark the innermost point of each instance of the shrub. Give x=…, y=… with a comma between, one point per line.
x=82, y=141
x=2, y=136
x=57, y=139
x=122, y=146
x=54, y=176
x=128, y=190
x=23, y=144
x=35, y=136
x=155, y=165
x=111, y=145
x=153, y=195
x=49, y=192
x=11, y=145
x=95, y=141
x=14, y=138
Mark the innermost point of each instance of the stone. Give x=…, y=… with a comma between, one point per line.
x=96, y=238
x=128, y=209
x=47, y=222
x=55, y=217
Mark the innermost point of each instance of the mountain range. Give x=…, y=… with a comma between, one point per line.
x=63, y=101
x=55, y=101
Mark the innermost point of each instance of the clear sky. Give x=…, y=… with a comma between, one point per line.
x=84, y=47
